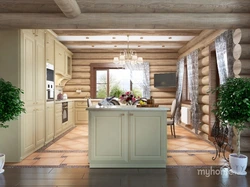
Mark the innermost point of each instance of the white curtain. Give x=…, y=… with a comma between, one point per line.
x=180, y=74
x=193, y=84
x=145, y=84
x=224, y=55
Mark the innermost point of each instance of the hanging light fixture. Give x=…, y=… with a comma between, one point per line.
x=128, y=56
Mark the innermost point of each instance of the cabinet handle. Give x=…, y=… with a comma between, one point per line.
x=131, y=114
x=122, y=114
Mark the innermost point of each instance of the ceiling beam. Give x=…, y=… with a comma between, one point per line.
x=70, y=8
x=127, y=21
x=137, y=32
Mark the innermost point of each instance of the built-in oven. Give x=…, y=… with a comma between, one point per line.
x=50, y=82
x=64, y=112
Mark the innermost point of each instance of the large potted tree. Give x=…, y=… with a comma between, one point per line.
x=232, y=108
x=11, y=106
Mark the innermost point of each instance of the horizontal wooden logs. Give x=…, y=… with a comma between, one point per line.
x=170, y=89
x=239, y=75
x=204, y=61
x=241, y=51
x=205, y=128
x=167, y=101
x=77, y=75
x=159, y=62
x=204, y=80
x=204, y=71
x=206, y=41
x=78, y=82
x=125, y=21
x=73, y=88
x=204, y=99
x=163, y=94
x=241, y=36
x=162, y=69
x=78, y=95
x=204, y=89
x=205, y=52
x=205, y=109
x=205, y=119
x=241, y=67
x=80, y=68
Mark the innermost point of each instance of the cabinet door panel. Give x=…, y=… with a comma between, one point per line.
x=29, y=131
x=81, y=116
x=40, y=72
x=28, y=67
x=59, y=59
x=58, y=124
x=50, y=122
x=40, y=126
x=109, y=138
x=152, y=126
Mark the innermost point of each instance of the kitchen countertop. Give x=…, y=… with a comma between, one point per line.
x=125, y=108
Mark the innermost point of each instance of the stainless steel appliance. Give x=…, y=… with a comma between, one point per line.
x=64, y=112
x=50, y=82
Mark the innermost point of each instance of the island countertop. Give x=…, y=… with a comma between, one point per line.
x=127, y=136
x=126, y=108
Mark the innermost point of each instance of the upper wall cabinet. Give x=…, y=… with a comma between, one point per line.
x=63, y=62
x=50, y=48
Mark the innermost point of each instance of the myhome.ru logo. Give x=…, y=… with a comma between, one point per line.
x=223, y=170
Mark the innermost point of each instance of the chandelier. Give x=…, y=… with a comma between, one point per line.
x=128, y=56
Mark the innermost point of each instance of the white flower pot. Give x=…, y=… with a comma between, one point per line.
x=238, y=164
x=2, y=161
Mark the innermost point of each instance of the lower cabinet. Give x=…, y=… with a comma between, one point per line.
x=127, y=139
x=33, y=135
x=50, y=121
x=81, y=114
x=58, y=119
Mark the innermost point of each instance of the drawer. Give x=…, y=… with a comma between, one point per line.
x=81, y=104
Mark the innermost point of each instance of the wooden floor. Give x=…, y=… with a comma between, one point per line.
x=64, y=164
x=72, y=150
x=85, y=177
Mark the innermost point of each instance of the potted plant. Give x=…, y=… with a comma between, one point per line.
x=11, y=107
x=233, y=109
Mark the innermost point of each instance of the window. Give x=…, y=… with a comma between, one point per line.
x=185, y=92
x=112, y=81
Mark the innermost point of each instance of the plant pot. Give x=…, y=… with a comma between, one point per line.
x=238, y=164
x=2, y=161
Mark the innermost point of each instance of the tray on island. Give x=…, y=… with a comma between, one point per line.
x=148, y=105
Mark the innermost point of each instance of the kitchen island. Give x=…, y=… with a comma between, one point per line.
x=127, y=137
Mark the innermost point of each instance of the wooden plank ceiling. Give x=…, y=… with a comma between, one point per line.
x=97, y=25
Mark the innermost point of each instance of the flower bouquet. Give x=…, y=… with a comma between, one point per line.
x=127, y=98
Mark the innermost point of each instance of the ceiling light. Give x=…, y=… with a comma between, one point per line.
x=128, y=56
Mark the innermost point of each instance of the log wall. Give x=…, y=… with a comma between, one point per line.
x=203, y=99
x=159, y=63
x=241, y=68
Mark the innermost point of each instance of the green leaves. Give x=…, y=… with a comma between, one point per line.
x=11, y=105
x=233, y=104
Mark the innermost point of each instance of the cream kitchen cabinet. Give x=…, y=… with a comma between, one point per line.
x=58, y=119
x=23, y=64
x=50, y=121
x=33, y=84
x=81, y=114
x=71, y=112
x=50, y=47
x=63, y=60
x=127, y=137
x=59, y=58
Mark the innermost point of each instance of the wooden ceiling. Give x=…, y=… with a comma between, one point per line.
x=105, y=24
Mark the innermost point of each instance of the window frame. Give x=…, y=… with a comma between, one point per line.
x=98, y=66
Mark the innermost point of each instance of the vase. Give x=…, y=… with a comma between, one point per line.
x=238, y=164
x=2, y=161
